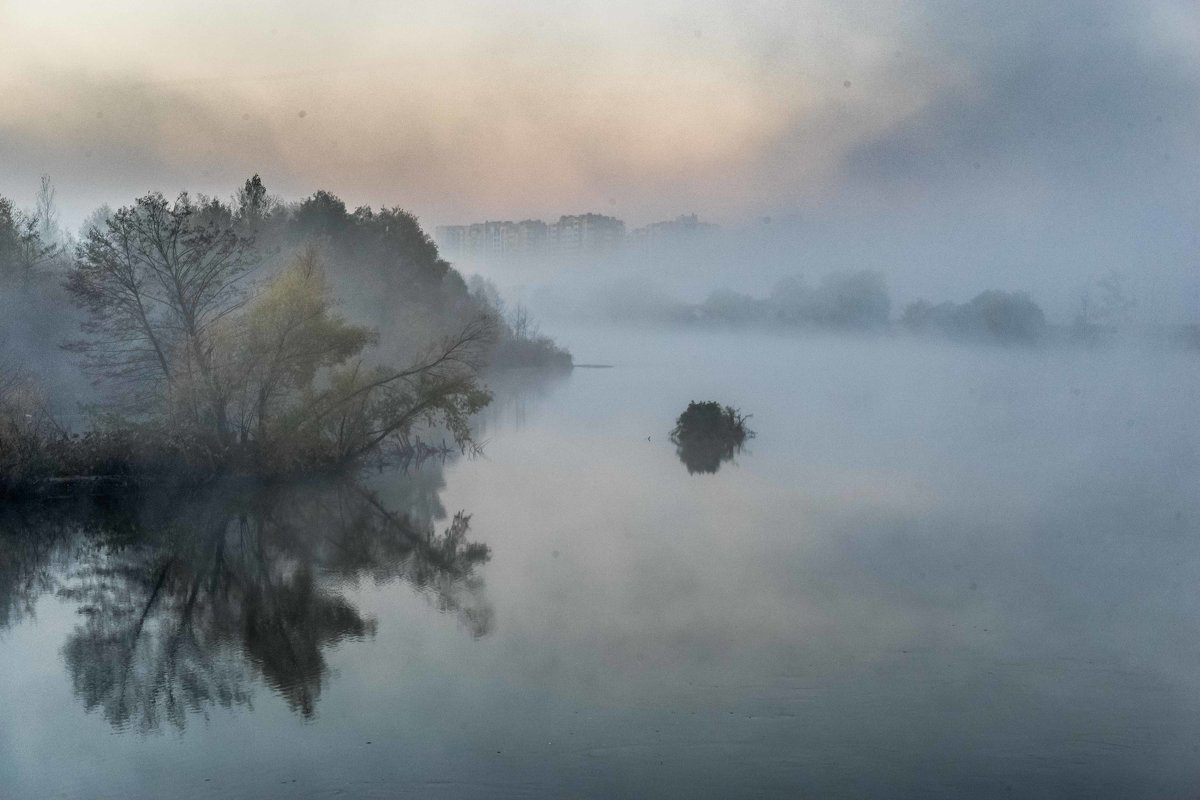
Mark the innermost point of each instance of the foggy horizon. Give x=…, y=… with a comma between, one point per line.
x=1034, y=146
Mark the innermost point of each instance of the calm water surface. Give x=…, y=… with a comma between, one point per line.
x=937, y=571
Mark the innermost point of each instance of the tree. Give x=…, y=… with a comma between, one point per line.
x=300, y=389
x=22, y=249
x=286, y=336
x=1105, y=304
x=157, y=281
x=47, y=212
x=522, y=325
x=1007, y=317
x=98, y=218
x=1117, y=300
x=790, y=299
x=253, y=205
x=852, y=300
x=362, y=407
x=323, y=214
x=275, y=380
x=169, y=317
x=486, y=294
x=381, y=260
x=25, y=424
x=726, y=305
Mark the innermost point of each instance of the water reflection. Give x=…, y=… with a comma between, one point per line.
x=27, y=548
x=188, y=602
x=706, y=455
x=515, y=393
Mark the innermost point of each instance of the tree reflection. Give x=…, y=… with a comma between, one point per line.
x=189, y=602
x=706, y=455
x=29, y=545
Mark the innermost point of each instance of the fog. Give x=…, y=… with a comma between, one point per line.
x=953, y=146
x=599, y=399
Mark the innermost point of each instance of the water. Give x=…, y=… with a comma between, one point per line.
x=936, y=571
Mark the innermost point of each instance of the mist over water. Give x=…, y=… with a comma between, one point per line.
x=938, y=570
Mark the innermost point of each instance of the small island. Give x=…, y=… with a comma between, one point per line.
x=708, y=434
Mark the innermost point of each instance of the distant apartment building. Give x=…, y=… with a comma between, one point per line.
x=684, y=228
x=572, y=236
x=586, y=234
x=489, y=239
x=451, y=240
x=531, y=235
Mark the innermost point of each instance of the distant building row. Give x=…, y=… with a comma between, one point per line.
x=578, y=235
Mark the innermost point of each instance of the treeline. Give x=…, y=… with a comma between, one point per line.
x=861, y=302
x=990, y=316
x=383, y=267
x=840, y=301
x=250, y=335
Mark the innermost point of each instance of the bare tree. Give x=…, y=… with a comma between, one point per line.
x=157, y=281
x=1105, y=305
x=522, y=325
x=46, y=212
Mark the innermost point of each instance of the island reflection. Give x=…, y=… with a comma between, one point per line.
x=189, y=602
x=705, y=456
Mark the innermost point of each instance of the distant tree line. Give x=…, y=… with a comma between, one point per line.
x=845, y=301
x=1010, y=317
x=861, y=302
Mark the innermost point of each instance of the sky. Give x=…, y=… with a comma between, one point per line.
x=1019, y=144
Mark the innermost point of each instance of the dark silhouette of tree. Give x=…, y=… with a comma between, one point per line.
x=252, y=205
x=322, y=214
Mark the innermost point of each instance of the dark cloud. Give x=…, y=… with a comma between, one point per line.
x=1075, y=92
x=1065, y=143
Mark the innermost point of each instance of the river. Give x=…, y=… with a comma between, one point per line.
x=935, y=571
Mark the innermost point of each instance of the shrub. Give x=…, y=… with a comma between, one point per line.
x=709, y=420
x=707, y=434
